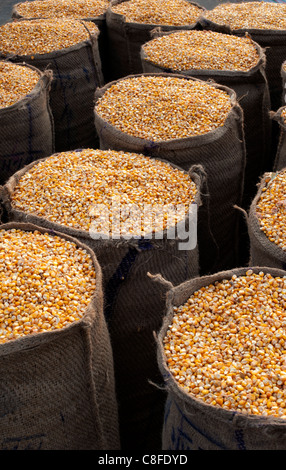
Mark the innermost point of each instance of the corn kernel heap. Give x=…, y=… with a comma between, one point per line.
x=161, y=12
x=62, y=8
x=42, y=36
x=271, y=209
x=46, y=283
x=16, y=82
x=226, y=344
x=163, y=108
x=202, y=50
x=249, y=15
x=67, y=188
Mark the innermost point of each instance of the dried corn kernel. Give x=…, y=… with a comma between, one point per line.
x=249, y=15
x=167, y=12
x=271, y=209
x=46, y=283
x=76, y=9
x=66, y=187
x=202, y=50
x=42, y=36
x=16, y=82
x=163, y=108
x=225, y=345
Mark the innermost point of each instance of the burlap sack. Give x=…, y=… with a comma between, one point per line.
x=125, y=40
x=274, y=44
x=134, y=306
x=76, y=75
x=280, y=158
x=100, y=22
x=252, y=93
x=190, y=423
x=262, y=251
x=26, y=128
x=222, y=155
x=57, y=388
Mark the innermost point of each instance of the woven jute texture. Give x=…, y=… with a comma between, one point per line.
x=77, y=73
x=133, y=307
x=57, y=388
x=26, y=128
x=126, y=38
x=221, y=153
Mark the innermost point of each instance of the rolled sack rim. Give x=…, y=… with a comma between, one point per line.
x=44, y=83
x=171, y=386
x=256, y=233
x=36, y=340
x=260, y=65
x=37, y=57
x=196, y=173
x=226, y=28
x=191, y=141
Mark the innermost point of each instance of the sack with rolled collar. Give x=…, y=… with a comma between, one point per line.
x=263, y=252
x=76, y=75
x=57, y=387
x=100, y=22
x=192, y=424
x=280, y=158
x=252, y=93
x=125, y=41
x=222, y=154
x=133, y=307
x=26, y=128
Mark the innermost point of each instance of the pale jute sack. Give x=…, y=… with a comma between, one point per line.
x=192, y=424
x=57, y=388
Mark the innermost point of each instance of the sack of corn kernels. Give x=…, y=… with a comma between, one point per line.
x=185, y=121
x=26, y=122
x=280, y=118
x=70, y=49
x=266, y=226
x=221, y=354
x=266, y=24
x=283, y=76
x=81, y=193
x=56, y=364
x=89, y=10
x=129, y=23
x=236, y=62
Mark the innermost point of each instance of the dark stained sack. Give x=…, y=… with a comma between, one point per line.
x=57, y=388
x=280, y=159
x=192, y=424
x=76, y=75
x=252, y=93
x=125, y=40
x=100, y=22
x=133, y=306
x=222, y=155
x=26, y=128
x=263, y=252
x=283, y=76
